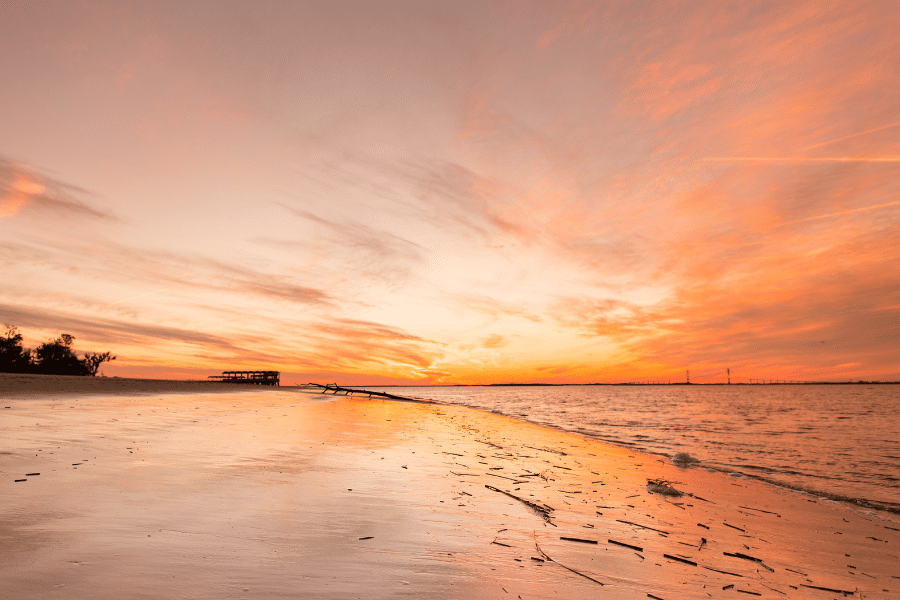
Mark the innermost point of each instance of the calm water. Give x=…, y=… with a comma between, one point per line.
x=838, y=441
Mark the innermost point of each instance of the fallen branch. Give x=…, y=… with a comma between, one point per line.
x=832, y=590
x=663, y=487
x=642, y=526
x=548, y=559
x=744, y=556
x=773, y=589
x=768, y=512
x=638, y=548
x=335, y=388
x=723, y=572
x=514, y=480
x=489, y=444
x=547, y=450
x=679, y=559
x=699, y=498
x=543, y=511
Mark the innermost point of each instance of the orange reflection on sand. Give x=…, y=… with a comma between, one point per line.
x=278, y=493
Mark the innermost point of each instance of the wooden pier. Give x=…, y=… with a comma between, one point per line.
x=250, y=377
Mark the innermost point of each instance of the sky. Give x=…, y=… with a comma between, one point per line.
x=423, y=192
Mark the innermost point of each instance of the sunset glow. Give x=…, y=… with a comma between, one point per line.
x=424, y=193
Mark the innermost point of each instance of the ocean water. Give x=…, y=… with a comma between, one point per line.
x=835, y=441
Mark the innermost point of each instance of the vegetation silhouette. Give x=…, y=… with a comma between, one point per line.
x=54, y=357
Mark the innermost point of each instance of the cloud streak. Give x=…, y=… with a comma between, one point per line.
x=22, y=190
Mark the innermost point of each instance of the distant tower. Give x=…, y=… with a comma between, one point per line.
x=729, y=376
x=688, y=376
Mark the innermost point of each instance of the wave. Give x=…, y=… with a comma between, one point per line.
x=747, y=441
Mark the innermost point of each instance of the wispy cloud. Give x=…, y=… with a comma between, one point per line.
x=129, y=264
x=784, y=316
x=573, y=191
x=118, y=332
x=24, y=190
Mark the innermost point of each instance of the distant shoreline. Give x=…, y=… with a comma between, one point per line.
x=16, y=384
x=628, y=384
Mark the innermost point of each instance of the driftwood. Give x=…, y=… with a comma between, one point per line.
x=825, y=589
x=638, y=548
x=548, y=559
x=663, y=487
x=547, y=450
x=544, y=511
x=721, y=571
x=505, y=477
x=679, y=559
x=643, y=526
x=744, y=556
x=335, y=388
x=489, y=444
x=760, y=510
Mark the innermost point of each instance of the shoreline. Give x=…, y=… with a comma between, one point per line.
x=634, y=384
x=804, y=488
x=263, y=493
x=864, y=503
x=26, y=384
x=36, y=385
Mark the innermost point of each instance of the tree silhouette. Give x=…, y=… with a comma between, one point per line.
x=57, y=358
x=93, y=360
x=13, y=358
x=54, y=357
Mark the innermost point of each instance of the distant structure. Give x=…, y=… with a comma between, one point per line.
x=729, y=375
x=688, y=375
x=249, y=377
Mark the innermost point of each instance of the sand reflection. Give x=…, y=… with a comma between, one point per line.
x=280, y=494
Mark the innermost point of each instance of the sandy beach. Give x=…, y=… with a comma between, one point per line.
x=113, y=488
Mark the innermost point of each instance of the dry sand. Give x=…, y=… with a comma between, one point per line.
x=46, y=385
x=272, y=493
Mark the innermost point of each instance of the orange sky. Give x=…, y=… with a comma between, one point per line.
x=452, y=192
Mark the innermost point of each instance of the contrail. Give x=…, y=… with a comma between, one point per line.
x=847, y=137
x=801, y=159
x=844, y=212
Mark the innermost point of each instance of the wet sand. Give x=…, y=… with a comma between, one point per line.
x=273, y=493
